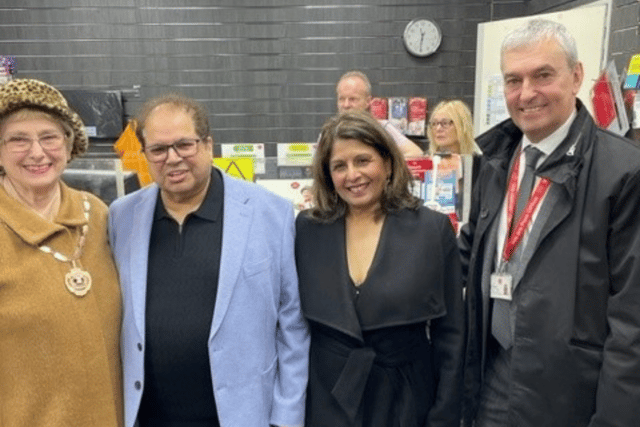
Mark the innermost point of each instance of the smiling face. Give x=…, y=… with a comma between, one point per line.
x=182, y=180
x=359, y=174
x=352, y=94
x=540, y=88
x=37, y=170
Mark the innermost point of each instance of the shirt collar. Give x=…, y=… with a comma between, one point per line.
x=210, y=208
x=553, y=141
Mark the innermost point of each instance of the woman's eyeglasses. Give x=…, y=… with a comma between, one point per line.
x=22, y=144
x=446, y=124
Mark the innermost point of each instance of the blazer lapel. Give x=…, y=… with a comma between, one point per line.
x=553, y=210
x=560, y=209
x=235, y=237
x=556, y=206
x=140, y=237
x=319, y=283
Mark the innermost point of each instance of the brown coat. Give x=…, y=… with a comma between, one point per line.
x=59, y=353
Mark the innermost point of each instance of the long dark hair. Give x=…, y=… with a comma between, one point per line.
x=361, y=126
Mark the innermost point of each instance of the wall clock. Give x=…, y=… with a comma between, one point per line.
x=422, y=37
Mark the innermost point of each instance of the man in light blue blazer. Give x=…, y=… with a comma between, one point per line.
x=212, y=329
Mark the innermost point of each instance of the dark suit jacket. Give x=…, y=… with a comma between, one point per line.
x=416, y=276
x=575, y=359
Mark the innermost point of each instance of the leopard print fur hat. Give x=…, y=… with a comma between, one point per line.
x=25, y=93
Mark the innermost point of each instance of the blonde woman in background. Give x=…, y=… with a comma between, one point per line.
x=450, y=129
x=450, y=133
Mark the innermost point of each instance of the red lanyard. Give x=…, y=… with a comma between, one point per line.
x=518, y=231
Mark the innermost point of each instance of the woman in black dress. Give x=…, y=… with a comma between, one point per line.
x=380, y=287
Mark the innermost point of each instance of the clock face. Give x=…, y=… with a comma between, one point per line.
x=422, y=37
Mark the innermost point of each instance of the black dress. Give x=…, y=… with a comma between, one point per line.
x=372, y=363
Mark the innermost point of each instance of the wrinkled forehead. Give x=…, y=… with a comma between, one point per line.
x=351, y=85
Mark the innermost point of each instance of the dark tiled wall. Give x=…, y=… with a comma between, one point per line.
x=265, y=69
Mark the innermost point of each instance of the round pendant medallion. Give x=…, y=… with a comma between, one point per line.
x=78, y=281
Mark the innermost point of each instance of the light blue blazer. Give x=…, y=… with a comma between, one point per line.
x=259, y=342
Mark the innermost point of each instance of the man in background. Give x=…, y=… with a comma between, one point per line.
x=353, y=92
x=551, y=253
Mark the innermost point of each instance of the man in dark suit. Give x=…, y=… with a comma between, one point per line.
x=551, y=253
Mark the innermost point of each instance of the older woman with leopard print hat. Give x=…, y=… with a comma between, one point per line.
x=59, y=295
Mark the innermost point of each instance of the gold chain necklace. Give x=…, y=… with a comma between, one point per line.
x=77, y=280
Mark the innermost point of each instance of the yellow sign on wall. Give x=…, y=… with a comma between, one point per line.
x=238, y=167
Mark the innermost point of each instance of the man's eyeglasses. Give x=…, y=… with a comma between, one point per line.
x=446, y=124
x=22, y=144
x=183, y=148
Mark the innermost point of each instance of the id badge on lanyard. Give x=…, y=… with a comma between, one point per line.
x=501, y=280
x=501, y=284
